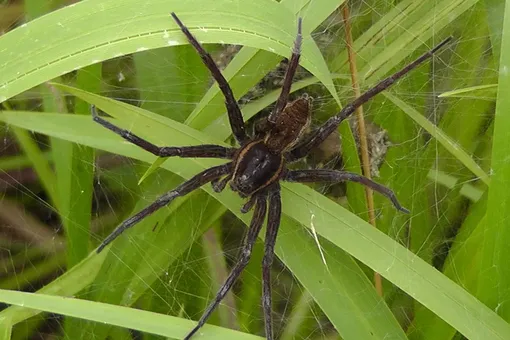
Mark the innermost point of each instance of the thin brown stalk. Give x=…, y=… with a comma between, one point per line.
x=365, y=159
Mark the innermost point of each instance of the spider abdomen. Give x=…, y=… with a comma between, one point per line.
x=255, y=168
x=289, y=125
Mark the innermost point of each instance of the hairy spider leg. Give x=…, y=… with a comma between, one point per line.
x=234, y=113
x=273, y=225
x=220, y=183
x=333, y=176
x=289, y=75
x=318, y=136
x=205, y=150
x=253, y=231
x=193, y=183
x=249, y=204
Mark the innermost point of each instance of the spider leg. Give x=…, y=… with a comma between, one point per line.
x=251, y=237
x=185, y=188
x=206, y=150
x=248, y=205
x=289, y=75
x=234, y=113
x=322, y=175
x=273, y=224
x=319, y=135
x=220, y=183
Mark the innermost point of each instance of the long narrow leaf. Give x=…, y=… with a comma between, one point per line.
x=63, y=41
x=131, y=318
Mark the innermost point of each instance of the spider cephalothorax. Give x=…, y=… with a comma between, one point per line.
x=255, y=169
x=261, y=162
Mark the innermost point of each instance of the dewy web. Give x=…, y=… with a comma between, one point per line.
x=256, y=166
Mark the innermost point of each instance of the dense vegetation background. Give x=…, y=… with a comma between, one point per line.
x=439, y=139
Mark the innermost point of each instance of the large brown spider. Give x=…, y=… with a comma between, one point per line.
x=256, y=167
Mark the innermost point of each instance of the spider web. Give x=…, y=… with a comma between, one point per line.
x=198, y=241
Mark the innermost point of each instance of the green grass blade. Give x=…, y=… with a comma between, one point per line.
x=344, y=293
x=248, y=301
x=153, y=167
x=495, y=14
x=218, y=272
x=76, y=177
x=170, y=88
x=183, y=76
x=5, y=330
x=419, y=26
x=131, y=318
x=486, y=92
x=396, y=35
x=76, y=184
x=297, y=317
x=63, y=41
x=449, y=181
x=39, y=270
x=73, y=281
x=450, y=145
x=51, y=100
x=20, y=161
x=462, y=265
x=40, y=164
x=494, y=274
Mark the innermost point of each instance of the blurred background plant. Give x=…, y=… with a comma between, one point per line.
x=59, y=199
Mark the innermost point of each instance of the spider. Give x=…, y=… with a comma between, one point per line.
x=255, y=168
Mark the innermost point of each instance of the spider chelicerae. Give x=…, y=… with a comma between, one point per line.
x=255, y=168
